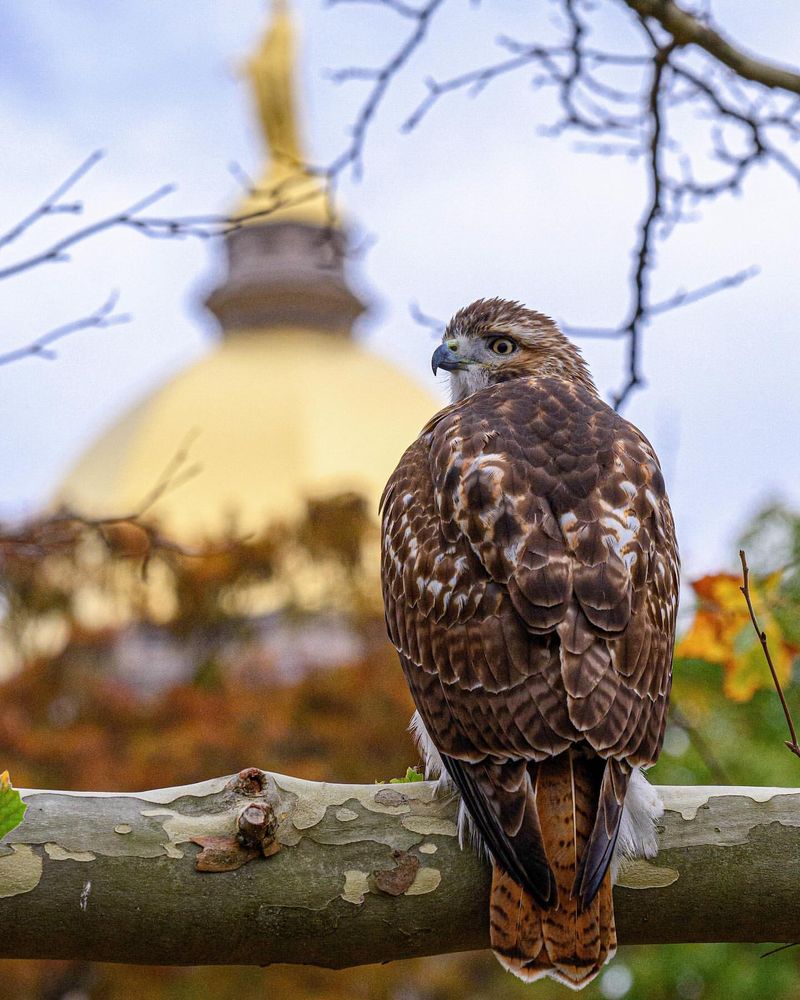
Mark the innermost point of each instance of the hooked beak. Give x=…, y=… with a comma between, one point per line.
x=446, y=356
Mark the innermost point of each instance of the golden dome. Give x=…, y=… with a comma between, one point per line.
x=288, y=407
x=275, y=419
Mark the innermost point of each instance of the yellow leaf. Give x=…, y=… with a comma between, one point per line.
x=723, y=633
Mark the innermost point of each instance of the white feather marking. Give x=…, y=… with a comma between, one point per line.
x=468, y=834
x=623, y=527
x=640, y=815
x=464, y=383
x=427, y=750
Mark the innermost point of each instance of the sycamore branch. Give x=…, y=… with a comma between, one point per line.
x=341, y=875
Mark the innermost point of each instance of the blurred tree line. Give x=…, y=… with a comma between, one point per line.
x=74, y=714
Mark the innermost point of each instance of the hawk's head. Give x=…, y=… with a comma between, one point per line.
x=494, y=340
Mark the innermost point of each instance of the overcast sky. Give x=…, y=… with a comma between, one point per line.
x=474, y=203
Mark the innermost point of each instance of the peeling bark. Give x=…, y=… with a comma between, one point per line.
x=365, y=873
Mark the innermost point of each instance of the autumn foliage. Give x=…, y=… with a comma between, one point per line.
x=722, y=633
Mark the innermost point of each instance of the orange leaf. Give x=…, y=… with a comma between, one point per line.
x=723, y=633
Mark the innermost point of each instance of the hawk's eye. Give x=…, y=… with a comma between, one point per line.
x=502, y=345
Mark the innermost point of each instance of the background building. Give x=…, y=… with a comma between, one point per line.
x=288, y=407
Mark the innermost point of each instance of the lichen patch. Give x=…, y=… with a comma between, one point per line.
x=356, y=886
x=687, y=799
x=429, y=825
x=636, y=873
x=57, y=853
x=426, y=880
x=181, y=829
x=19, y=872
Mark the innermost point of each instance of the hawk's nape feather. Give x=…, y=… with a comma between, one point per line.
x=530, y=578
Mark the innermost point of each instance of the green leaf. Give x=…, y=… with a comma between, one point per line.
x=412, y=774
x=12, y=808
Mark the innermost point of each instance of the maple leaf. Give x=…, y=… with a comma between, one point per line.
x=12, y=808
x=723, y=633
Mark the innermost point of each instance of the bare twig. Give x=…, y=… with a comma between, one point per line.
x=677, y=300
x=174, y=474
x=643, y=253
x=781, y=947
x=474, y=81
x=791, y=743
x=381, y=78
x=432, y=323
x=751, y=121
x=297, y=189
x=127, y=535
x=101, y=318
x=52, y=204
x=127, y=217
x=685, y=298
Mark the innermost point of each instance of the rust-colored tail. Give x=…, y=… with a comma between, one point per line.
x=568, y=942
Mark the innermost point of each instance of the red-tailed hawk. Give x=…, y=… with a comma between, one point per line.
x=530, y=577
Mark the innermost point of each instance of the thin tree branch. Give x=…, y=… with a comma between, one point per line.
x=595, y=107
x=295, y=190
x=129, y=535
x=677, y=300
x=685, y=298
x=687, y=29
x=174, y=474
x=382, y=77
x=101, y=319
x=432, y=323
x=52, y=204
x=127, y=217
x=791, y=743
x=644, y=250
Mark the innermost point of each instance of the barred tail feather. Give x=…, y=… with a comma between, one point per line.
x=568, y=942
